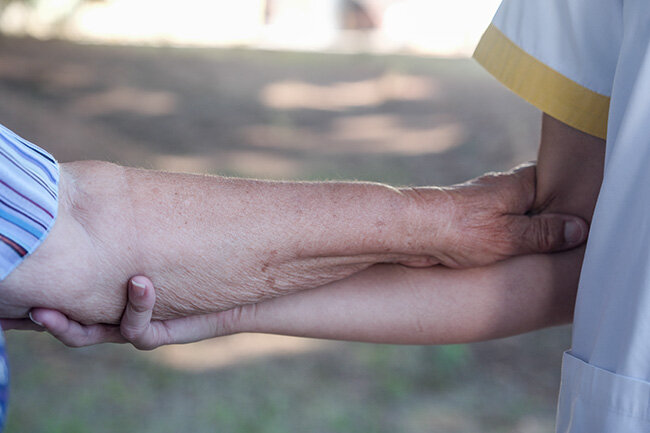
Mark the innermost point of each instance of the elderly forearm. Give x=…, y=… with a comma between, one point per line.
x=235, y=241
x=394, y=304
x=210, y=243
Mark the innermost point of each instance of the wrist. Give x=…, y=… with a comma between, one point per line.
x=428, y=221
x=242, y=318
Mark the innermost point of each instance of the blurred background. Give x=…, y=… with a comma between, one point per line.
x=377, y=90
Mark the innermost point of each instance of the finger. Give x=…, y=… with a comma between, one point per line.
x=547, y=233
x=72, y=333
x=185, y=330
x=20, y=324
x=188, y=329
x=135, y=323
x=137, y=328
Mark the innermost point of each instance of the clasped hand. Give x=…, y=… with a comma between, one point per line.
x=482, y=221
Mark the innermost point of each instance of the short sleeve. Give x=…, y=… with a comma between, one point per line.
x=29, y=180
x=559, y=55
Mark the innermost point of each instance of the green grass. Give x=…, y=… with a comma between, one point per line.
x=347, y=387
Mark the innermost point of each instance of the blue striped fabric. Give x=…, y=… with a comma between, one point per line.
x=29, y=180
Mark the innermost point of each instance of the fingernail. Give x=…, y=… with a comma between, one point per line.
x=139, y=288
x=34, y=320
x=572, y=232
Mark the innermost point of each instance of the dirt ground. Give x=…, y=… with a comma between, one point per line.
x=397, y=119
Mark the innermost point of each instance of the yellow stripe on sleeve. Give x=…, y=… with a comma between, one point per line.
x=542, y=86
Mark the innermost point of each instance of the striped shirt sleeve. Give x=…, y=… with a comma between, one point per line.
x=29, y=180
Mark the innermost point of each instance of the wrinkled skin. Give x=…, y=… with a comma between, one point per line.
x=95, y=246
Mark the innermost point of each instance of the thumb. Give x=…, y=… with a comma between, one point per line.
x=549, y=233
x=134, y=325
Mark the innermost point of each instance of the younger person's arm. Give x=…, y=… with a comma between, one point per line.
x=396, y=304
x=393, y=304
x=211, y=243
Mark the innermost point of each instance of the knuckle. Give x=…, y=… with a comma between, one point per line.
x=544, y=235
x=140, y=307
x=149, y=339
x=130, y=333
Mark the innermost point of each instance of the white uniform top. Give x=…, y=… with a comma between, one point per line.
x=587, y=63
